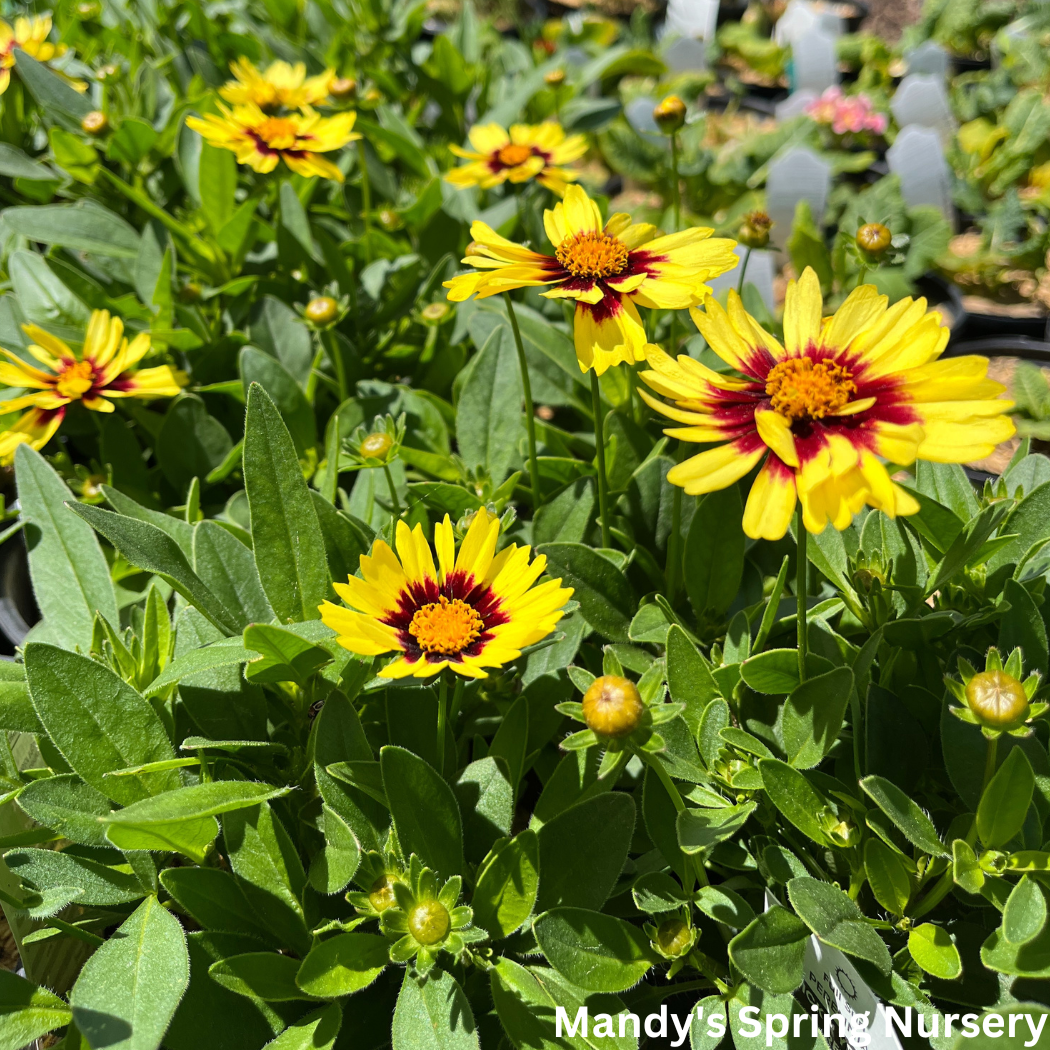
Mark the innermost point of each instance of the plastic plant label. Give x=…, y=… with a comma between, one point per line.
x=814, y=63
x=693, y=18
x=921, y=99
x=799, y=174
x=918, y=159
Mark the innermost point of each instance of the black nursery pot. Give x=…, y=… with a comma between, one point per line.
x=18, y=608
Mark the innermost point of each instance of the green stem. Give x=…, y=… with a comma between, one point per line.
x=654, y=763
x=673, y=540
x=530, y=411
x=743, y=271
x=335, y=355
x=989, y=761
x=599, y=441
x=442, y=719
x=861, y=274
x=393, y=490
x=801, y=587
x=366, y=199
x=676, y=204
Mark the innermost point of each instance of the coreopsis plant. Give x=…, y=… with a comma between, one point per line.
x=280, y=86
x=104, y=369
x=520, y=154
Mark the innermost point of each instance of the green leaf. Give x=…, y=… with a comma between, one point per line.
x=1024, y=917
x=145, y=546
x=795, y=797
x=53, y=94
x=70, y=576
x=1022, y=625
x=837, y=920
x=507, y=884
x=316, y=1031
x=813, y=716
x=424, y=810
x=259, y=975
x=489, y=424
x=259, y=367
x=44, y=299
x=596, y=952
x=775, y=671
x=689, y=678
x=214, y=898
x=335, y=865
x=217, y=180
x=98, y=723
x=600, y=829
x=286, y=656
x=526, y=1001
x=606, y=597
x=85, y=227
x=184, y=819
x=99, y=885
x=770, y=951
x=888, y=876
x=807, y=248
x=128, y=990
x=700, y=829
x=206, y=658
x=433, y=1012
x=724, y=906
x=714, y=553
x=342, y=965
x=700, y=1037
x=68, y=806
x=27, y=1012
x=289, y=547
x=917, y=828
x=16, y=709
x=1004, y=804
x=191, y=442
x=934, y=950
x=484, y=793
x=568, y=516
x=132, y=140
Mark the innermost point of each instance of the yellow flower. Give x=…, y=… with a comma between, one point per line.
x=29, y=35
x=605, y=270
x=526, y=152
x=105, y=368
x=260, y=140
x=821, y=409
x=471, y=612
x=281, y=85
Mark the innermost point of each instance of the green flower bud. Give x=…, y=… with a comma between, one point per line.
x=612, y=706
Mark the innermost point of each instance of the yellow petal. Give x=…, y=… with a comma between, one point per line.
x=775, y=431
x=770, y=504
x=802, y=313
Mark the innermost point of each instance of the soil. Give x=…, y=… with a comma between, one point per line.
x=889, y=17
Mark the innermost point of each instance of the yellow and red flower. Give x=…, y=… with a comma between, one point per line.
x=470, y=612
x=606, y=270
x=28, y=35
x=281, y=85
x=260, y=140
x=104, y=369
x=823, y=408
x=525, y=152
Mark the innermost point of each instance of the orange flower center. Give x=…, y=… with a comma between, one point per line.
x=445, y=627
x=801, y=388
x=275, y=130
x=511, y=156
x=593, y=255
x=76, y=380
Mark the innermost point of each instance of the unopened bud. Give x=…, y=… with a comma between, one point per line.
x=612, y=706
x=874, y=238
x=670, y=114
x=322, y=310
x=95, y=123
x=343, y=88
x=997, y=699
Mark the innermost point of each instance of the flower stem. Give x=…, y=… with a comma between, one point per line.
x=801, y=587
x=861, y=274
x=743, y=271
x=676, y=205
x=673, y=540
x=335, y=355
x=393, y=489
x=530, y=412
x=442, y=719
x=366, y=199
x=654, y=763
x=989, y=761
x=599, y=442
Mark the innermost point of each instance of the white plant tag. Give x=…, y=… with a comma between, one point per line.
x=814, y=63
x=686, y=55
x=693, y=18
x=921, y=99
x=761, y=268
x=797, y=175
x=918, y=159
x=928, y=57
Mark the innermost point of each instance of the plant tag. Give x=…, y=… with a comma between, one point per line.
x=831, y=983
x=693, y=18
x=918, y=159
x=798, y=174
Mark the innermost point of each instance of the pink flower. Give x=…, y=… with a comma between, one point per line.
x=851, y=114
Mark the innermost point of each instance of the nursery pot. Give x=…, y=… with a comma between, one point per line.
x=18, y=608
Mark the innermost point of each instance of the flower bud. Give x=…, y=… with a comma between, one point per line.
x=997, y=699
x=429, y=922
x=555, y=78
x=372, y=97
x=434, y=313
x=670, y=114
x=754, y=230
x=381, y=895
x=190, y=292
x=89, y=9
x=376, y=445
x=388, y=218
x=612, y=706
x=674, y=937
x=343, y=88
x=874, y=238
x=322, y=311
x=95, y=123
x=92, y=486
x=108, y=72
